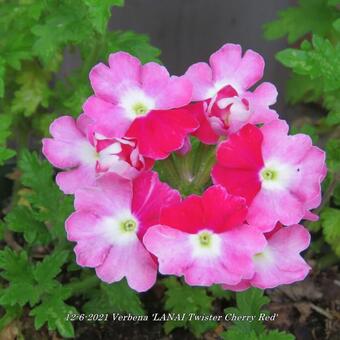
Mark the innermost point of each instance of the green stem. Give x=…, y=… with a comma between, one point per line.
x=169, y=169
x=81, y=286
x=203, y=173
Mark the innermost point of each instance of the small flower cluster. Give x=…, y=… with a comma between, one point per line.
x=242, y=231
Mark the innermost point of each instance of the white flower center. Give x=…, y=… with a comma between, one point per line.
x=205, y=244
x=121, y=229
x=276, y=175
x=136, y=103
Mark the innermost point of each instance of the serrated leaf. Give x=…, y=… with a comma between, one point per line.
x=333, y=154
x=2, y=77
x=136, y=44
x=65, y=24
x=321, y=63
x=51, y=206
x=21, y=219
x=100, y=12
x=53, y=311
x=249, y=302
x=5, y=154
x=330, y=219
x=186, y=299
x=113, y=298
x=15, y=266
x=50, y=267
x=19, y=293
x=34, y=91
x=295, y=22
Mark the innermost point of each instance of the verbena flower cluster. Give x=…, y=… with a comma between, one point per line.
x=242, y=231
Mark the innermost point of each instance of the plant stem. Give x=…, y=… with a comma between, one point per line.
x=204, y=167
x=80, y=286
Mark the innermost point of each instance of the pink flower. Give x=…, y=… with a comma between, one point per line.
x=280, y=261
x=278, y=175
x=204, y=239
x=85, y=156
x=142, y=102
x=223, y=85
x=109, y=223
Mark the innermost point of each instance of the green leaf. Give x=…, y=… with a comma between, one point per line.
x=330, y=219
x=51, y=206
x=21, y=219
x=5, y=154
x=2, y=77
x=113, y=298
x=300, y=88
x=321, y=63
x=11, y=313
x=33, y=92
x=5, y=123
x=333, y=154
x=186, y=299
x=276, y=335
x=100, y=12
x=15, y=266
x=295, y=22
x=19, y=293
x=136, y=44
x=53, y=310
x=236, y=334
x=50, y=267
x=66, y=23
x=249, y=302
x=218, y=292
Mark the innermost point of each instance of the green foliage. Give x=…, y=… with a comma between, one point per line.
x=114, y=298
x=236, y=334
x=35, y=37
x=315, y=78
x=309, y=16
x=251, y=303
x=330, y=218
x=185, y=299
x=5, y=132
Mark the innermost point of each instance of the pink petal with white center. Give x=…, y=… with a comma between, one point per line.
x=150, y=195
x=167, y=92
x=162, y=132
x=109, y=82
x=131, y=261
x=215, y=210
x=109, y=120
x=172, y=248
x=291, y=151
x=280, y=262
x=74, y=179
x=178, y=254
x=200, y=76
